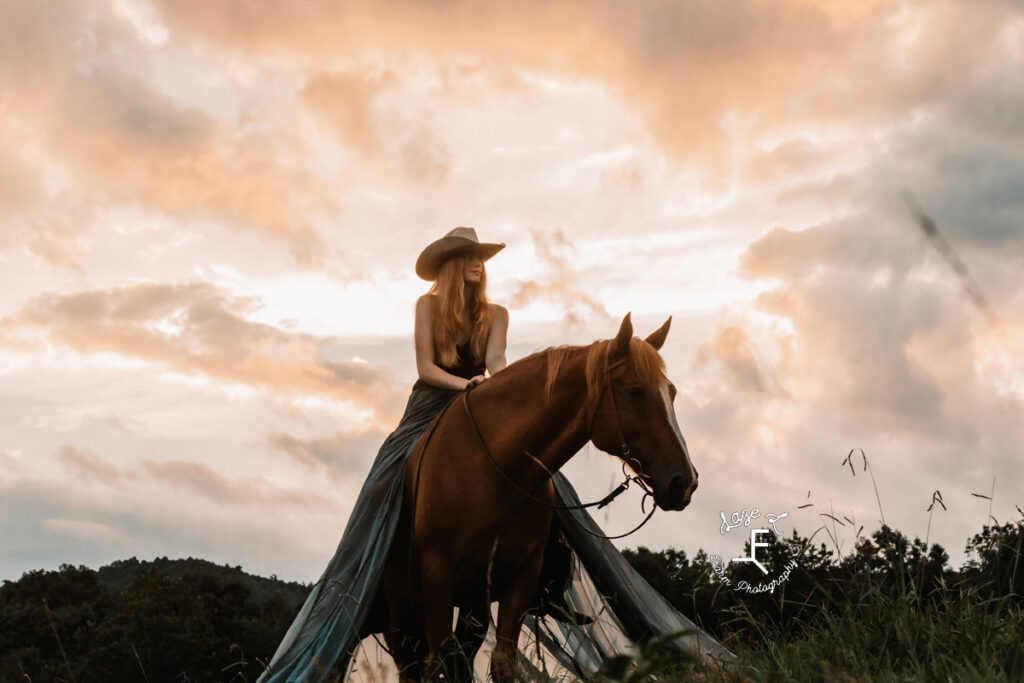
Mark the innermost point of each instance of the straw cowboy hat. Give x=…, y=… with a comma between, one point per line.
x=458, y=241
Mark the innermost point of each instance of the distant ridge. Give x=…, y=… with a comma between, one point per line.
x=118, y=575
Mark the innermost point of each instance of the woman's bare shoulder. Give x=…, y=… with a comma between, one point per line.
x=498, y=310
x=426, y=302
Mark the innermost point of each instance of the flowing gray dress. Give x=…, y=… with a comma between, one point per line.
x=321, y=640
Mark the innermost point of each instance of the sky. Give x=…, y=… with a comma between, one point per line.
x=210, y=212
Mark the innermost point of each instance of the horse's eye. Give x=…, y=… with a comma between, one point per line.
x=635, y=391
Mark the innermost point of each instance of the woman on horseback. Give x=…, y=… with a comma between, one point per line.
x=460, y=340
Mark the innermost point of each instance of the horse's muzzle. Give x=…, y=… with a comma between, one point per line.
x=677, y=493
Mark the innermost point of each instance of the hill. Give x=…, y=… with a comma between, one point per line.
x=164, y=620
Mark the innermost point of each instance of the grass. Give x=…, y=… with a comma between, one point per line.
x=882, y=613
x=873, y=636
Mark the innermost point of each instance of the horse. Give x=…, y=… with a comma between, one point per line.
x=478, y=497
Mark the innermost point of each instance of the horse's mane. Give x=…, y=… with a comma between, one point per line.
x=647, y=364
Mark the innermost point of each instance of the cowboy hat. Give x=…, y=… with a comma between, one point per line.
x=457, y=241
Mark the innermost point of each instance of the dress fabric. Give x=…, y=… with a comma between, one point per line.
x=320, y=642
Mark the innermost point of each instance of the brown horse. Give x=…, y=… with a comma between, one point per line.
x=470, y=534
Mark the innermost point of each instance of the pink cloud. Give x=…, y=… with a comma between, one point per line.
x=196, y=328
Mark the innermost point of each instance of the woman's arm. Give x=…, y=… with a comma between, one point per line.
x=427, y=368
x=497, y=340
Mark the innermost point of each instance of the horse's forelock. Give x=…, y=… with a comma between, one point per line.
x=648, y=366
x=647, y=363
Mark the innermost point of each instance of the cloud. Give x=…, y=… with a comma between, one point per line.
x=78, y=529
x=880, y=330
x=763, y=93
x=88, y=466
x=27, y=219
x=858, y=243
x=382, y=136
x=732, y=348
x=558, y=282
x=702, y=76
x=342, y=454
x=196, y=328
x=93, y=111
x=19, y=186
x=120, y=424
x=182, y=477
x=93, y=509
x=343, y=105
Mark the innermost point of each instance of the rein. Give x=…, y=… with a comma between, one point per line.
x=624, y=456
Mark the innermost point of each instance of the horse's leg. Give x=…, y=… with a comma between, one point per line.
x=438, y=605
x=513, y=607
x=470, y=632
x=405, y=639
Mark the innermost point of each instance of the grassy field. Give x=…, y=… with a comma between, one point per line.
x=875, y=635
x=889, y=611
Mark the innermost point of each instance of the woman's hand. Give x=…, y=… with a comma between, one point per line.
x=473, y=381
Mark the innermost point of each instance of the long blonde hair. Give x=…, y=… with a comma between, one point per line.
x=457, y=302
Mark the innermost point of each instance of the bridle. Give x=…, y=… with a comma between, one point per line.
x=640, y=477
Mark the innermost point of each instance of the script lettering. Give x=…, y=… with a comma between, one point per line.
x=737, y=519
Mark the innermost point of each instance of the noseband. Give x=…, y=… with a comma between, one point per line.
x=632, y=462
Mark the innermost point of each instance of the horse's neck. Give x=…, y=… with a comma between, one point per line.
x=516, y=416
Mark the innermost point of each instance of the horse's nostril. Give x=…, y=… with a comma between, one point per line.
x=677, y=486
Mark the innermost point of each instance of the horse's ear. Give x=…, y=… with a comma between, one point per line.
x=657, y=338
x=620, y=346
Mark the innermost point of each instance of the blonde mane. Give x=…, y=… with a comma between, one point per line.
x=647, y=364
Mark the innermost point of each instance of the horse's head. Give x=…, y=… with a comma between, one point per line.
x=635, y=411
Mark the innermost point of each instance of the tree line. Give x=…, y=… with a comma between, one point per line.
x=888, y=606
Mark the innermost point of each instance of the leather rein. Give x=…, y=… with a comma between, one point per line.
x=624, y=456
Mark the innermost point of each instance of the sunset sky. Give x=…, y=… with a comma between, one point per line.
x=210, y=211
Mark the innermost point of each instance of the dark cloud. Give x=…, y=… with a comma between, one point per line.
x=872, y=338
x=970, y=185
